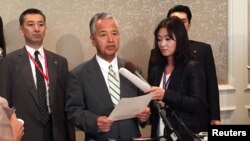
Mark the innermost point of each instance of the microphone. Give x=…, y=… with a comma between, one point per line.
x=131, y=67
x=144, y=85
x=174, y=135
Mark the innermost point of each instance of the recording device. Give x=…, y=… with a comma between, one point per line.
x=142, y=84
x=131, y=67
x=174, y=135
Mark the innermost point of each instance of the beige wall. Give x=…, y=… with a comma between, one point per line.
x=248, y=42
x=68, y=32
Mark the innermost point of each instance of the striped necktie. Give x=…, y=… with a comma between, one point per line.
x=114, y=86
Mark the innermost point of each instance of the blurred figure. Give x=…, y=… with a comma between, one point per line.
x=2, y=41
x=204, y=55
x=178, y=82
x=10, y=128
x=34, y=81
x=95, y=87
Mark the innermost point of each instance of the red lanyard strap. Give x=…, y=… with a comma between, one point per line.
x=45, y=75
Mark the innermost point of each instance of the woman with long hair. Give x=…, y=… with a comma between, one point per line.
x=178, y=83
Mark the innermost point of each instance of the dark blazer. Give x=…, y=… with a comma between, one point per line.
x=88, y=98
x=204, y=55
x=185, y=96
x=18, y=87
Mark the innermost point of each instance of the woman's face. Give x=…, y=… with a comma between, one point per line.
x=166, y=45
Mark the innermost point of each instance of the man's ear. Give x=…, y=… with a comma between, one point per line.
x=21, y=30
x=189, y=26
x=93, y=42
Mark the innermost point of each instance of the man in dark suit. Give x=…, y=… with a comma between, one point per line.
x=18, y=83
x=91, y=98
x=204, y=55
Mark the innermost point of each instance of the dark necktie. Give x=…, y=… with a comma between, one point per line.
x=41, y=92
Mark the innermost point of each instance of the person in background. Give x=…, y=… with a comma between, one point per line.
x=95, y=87
x=2, y=41
x=203, y=54
x=11, y=129
x=34, y=81
x=178, y=83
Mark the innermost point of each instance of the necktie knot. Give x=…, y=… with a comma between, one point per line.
x=112, y=71
x=36, y=54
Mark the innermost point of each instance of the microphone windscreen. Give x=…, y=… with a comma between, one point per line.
x=142, y=85
x=130, y=66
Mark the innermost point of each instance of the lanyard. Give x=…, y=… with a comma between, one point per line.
x=165, y=81
x=45, y=75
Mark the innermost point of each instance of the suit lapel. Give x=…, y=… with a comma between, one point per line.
x=158, y=76
x=52, y=69
x=97, y=81
x=176, y=76
x=25, y=67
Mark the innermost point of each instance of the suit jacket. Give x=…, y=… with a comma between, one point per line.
x=18, y=87
x=5, y=127
x=185, y=97
x=204, y=55
x=88, y=98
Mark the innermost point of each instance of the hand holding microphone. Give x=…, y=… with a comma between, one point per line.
x=142, y=84
x=137, y=79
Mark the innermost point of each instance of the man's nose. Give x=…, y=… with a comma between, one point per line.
x=36, y=27
x=110, y=38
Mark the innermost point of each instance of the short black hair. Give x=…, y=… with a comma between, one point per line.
x=181, y=8
x=30, y=11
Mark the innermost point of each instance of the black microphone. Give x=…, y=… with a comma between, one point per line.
x=174, y=136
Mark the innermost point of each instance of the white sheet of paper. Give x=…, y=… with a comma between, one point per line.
x=129, y=107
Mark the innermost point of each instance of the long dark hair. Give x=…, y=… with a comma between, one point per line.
x=2, y=41
x=175, y=27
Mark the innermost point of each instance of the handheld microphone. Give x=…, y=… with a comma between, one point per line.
x=142, y=85
x=131, y=67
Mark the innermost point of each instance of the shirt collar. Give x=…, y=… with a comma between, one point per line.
x=32, y=50
x=105, y=64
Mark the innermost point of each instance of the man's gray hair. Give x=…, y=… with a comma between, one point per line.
x=96, y=17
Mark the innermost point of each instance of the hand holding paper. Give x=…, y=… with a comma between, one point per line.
x=129, y=107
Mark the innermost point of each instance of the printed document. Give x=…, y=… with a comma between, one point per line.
x=129, y=107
